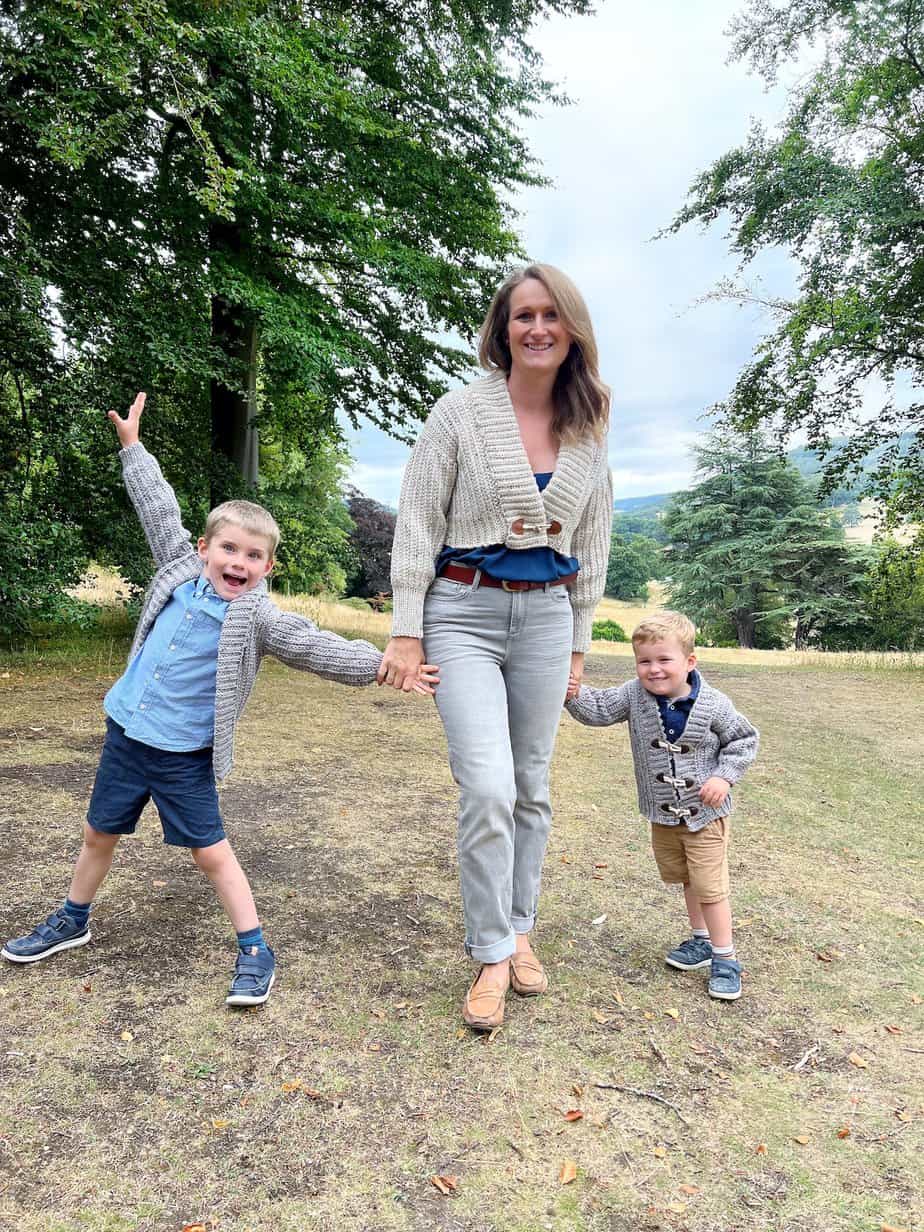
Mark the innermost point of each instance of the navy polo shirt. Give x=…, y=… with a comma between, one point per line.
x=674, y=714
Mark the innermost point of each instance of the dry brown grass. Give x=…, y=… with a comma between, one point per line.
x=330, y=1108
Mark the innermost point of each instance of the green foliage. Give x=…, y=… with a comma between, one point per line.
x=896, y=596
x=751, y=552
x=608, y=631
x=838, y=186
x=633, y=562
x=629, y=525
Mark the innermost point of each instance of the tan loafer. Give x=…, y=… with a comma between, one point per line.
x=484, y=1009
x=527, y=975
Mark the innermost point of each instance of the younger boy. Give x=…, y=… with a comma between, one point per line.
x=689, y=745
x=206, y=622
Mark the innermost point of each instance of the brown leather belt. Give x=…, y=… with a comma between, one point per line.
x=462, y=573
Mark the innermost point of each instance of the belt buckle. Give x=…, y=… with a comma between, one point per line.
x=507, y=585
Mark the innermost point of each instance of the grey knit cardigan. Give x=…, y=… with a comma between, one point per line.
x=253, y=626
x=716, y=740
x=469, y=483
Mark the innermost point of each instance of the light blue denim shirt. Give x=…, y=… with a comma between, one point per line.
x=166, y=697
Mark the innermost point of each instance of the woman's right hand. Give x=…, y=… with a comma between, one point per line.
x=401, y=662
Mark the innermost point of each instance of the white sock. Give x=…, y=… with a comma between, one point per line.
x=701, y=934
x=724, y=951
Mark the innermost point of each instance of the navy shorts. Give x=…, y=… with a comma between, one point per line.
x=182, y=785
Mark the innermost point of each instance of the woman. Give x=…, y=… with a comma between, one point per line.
x=499, y=559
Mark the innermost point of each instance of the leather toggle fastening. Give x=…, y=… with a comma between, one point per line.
x=669, y=779
x=520, y=526
x=681, y=813
x=670, y=748
x=554, y=527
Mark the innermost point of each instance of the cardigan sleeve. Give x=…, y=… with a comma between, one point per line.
x=738, y=741
x=590, y=543
x=601, y=707
x=420, y=532
x=156, y=506
x=298, y=642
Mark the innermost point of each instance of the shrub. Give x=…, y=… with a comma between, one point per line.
x=608, y=631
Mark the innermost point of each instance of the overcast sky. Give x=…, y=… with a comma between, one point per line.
x=654, y=104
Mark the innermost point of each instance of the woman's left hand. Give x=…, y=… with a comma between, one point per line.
x=576, y=675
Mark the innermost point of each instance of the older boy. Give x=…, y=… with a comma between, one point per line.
x=689, y=746
x=206, y=622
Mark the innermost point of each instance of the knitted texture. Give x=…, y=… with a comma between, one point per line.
x=717, y=740
x=253, y=626
x=469, y=483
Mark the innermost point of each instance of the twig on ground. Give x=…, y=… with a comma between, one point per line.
x=399, y=950
x=659, y=1099
x=657, y=1051
x=412, y=918
x=809, y=1052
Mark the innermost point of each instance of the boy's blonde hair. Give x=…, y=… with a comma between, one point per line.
x=250, y=517
x=667, y=624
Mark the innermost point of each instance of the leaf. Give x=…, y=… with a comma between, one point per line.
x=803, y=1139
x=599, y=1016
x=292, y=1084
x=445, y=1184
x=601, y=864
x=699, y=1049
x=760, y=1149
x=659, y=1152
x=745, y=923
x=844, y=1131
x=903, y=1114
x=823, y=957
x=493, y=1034
x=577, y=1089
x=574, y=1114
x=159, y=884
x=858, y=1061
x=194, y=1227
x=916, y=1000
x=671, y=1013
x=617, y=997
x=375, y=1048
x=217, y=1124
x=568, y=1172
x=889, y=1227
x=675, y=1208
x=892, y=1029
x=689, y=1189
x=127, y=1037
x=599, y=919
x=88, y=987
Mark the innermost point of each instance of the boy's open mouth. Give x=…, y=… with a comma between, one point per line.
x=232, y=581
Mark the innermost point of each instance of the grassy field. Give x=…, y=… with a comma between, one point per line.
x=135, y=1102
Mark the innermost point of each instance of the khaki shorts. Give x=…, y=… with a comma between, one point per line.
x=694, y=858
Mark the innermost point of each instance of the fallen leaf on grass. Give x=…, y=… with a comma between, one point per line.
x=617, y=997
x=659, y=1152
x=293, y=1084
x=760, y=1149
x=892, y=1029
x=601, y=865
x=698, y=1049
x=689, y=1189
x=844, y=1131
x=568, y=1172
x=217, y=1124
x=802, y=1139
x=600, y=1017
x=194, y=1227
x=599, y=919
x=745, y=923
x=577, y=1089
x=88, y=987
x=672, y=1013
x=445, y=1184
x=127, y=1037
x=858, y=1061
x=889, y=1227
x=675, y=1208
x=903, y=1114
x=375, y=1048
x=824, y=957
x=574, y=1114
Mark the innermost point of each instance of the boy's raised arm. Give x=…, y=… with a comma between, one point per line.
x=600, y=707
x=149, y=492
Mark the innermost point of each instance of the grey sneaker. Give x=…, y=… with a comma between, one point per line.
x=725, y=979
x=59, y=932
x=691, y=954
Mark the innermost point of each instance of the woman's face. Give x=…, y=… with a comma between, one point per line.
x=538, y=340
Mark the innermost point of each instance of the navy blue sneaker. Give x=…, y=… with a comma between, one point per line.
x=691, y=954
x=59, y=932
x=254, y=976
x=725, y=979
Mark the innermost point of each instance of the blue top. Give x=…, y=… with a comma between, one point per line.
x=166, y=696
x=511, y=565
x=674, y=714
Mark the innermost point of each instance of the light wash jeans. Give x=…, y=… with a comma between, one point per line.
x=504, y=658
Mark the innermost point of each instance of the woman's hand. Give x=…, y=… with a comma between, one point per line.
x=128, y=428
x=402, y=665
x=576, y=675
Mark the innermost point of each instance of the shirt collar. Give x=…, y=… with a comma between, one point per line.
x=205, y=589
x=693, y=680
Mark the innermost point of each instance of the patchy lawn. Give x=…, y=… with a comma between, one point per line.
x=135, y=1102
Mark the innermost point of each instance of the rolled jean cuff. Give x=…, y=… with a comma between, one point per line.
x=523, y=924
x=492, y=953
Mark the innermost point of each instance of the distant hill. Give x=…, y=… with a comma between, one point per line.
x=807, y=461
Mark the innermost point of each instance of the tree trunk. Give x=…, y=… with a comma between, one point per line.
x=744, y=627
x=234, y=434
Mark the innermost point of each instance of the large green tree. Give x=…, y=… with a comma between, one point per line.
x=751, y=550
x=840, y=186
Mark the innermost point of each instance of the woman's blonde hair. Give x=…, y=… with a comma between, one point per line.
x=582, y=401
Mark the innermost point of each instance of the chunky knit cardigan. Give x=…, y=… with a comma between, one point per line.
x=716, y=740
x=253, y=626
x=469, y=483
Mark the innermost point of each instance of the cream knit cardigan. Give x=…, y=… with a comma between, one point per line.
x=469, y=483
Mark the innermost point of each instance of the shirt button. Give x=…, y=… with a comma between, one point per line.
x=173, y=646
x=142, y=706
x=188, y=616
x=157, y=675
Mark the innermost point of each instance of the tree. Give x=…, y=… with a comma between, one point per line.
x=839, y=185
x=371, y=539
x=896, y=598
x=633, y=562
x=750, y=546
x=246, y=199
